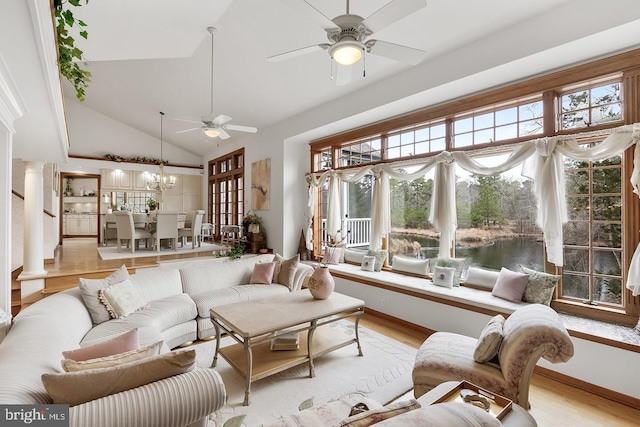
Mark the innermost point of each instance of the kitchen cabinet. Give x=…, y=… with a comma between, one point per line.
x=140, y=181
x=115, y=179
x=80, y=224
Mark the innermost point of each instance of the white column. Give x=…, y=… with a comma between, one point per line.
x=5, y=220
x=33, y=229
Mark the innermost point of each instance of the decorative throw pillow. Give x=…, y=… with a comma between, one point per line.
x=481, y=278
x=380, y=255
x=410, y=265
x=121, y=299
x=510, y=285
x=490, y=340
x=70, y=365
x=373, y=416
x=443, y=276
x=353, y=257
x=286, y=271
x=89, y=289
x=457, y=263
x=263, y=273
x=332, y=255
x=119, y=344
x=74, y=388
x=368, y=263
x=540, y=286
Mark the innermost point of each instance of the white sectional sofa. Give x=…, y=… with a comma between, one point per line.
x=176, y=297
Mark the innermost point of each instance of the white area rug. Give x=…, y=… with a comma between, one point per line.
x=111, y=252
x=382, y=373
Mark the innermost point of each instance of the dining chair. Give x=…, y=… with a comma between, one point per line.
x=194, y=230
x=109, y=230
x=140, y=220
x=128, y=231
x=166, y=228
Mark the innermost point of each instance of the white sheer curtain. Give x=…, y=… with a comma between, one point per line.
x=543, y=156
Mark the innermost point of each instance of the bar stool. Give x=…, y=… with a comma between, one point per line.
x=206, y=231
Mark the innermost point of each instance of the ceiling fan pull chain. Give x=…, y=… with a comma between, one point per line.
x=364, y=64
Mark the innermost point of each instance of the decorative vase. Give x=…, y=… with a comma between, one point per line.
x=321, y=283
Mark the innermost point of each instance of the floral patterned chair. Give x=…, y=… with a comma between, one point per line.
x=529, y=333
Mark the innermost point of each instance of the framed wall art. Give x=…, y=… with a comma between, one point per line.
x=260, y=185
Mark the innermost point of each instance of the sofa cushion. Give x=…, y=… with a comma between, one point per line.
x=121, y=299
x=510, y=285
x=540, y=286
x=74, y=388
x=287, y=270
x=220, y=273
x=380, y=255
x=120, y=343
x=374, y=416
x=214, y=298
x=443, y=415
x=410, y=265
x=481, y=278
x=263, y=273
x=489, y=341
x=89, y=289
x=154, y=283
x=70, y=365
x=332, y=255
x=354, y=257
x=457, y=263
x=443, y=276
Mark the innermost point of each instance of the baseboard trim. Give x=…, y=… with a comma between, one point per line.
x=400, y=322
x=588, y=387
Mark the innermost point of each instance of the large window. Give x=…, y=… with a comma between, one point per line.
x=226, y=190
x=593, y=237
x=602, y=227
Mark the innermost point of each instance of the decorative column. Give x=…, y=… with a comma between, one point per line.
x=33, y=272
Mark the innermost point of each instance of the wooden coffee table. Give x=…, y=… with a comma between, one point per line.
x=253, y=324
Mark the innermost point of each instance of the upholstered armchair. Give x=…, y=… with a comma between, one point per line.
x=529, y=333
x=166, y=228
x=127, y=230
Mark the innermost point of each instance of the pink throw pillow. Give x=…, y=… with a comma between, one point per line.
x=119, y=344
x=263, y=273
x=510, y=285
x=332, y=255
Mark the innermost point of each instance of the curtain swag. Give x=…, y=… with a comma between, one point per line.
x=541, y=160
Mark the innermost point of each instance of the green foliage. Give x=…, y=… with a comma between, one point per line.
x=411, y=203
x=134, y=159
x=68, y=52
x=486, y=210
x=152, y=202
x=234, y=253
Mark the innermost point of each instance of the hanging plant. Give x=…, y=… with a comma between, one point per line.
x=68, y=52
x=134, y=159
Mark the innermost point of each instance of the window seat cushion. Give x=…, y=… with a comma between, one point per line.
x=461, y=294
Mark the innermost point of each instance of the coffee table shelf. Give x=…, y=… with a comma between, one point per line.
x=267, y=362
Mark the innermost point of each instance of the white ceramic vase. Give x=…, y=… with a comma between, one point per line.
x=321, y=283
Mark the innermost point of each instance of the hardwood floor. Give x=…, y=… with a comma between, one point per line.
x=553, y=404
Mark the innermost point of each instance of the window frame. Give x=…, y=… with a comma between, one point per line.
x=226, y=173
x=622, y=67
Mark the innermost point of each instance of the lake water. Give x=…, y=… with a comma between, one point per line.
x=509, y=253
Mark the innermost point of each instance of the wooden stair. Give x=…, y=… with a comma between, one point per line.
x=60, y=282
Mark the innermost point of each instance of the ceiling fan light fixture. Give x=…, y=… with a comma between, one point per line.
x=211, y=132
x=347, y=52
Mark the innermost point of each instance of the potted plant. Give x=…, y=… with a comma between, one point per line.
x=152, y=203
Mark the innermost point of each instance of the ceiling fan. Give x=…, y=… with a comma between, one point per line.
x=348, y=33
x=219, y=125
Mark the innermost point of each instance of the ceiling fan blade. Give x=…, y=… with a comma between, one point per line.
x=223, y=134
x=396, y=52
x=220, y=120
x=344, y=74
x=314, y=14
x=187, y=130
x=297, y=52
x=239, y=128
x=391, y=12
x=184, y=120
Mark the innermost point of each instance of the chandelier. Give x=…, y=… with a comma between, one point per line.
x=157, y=181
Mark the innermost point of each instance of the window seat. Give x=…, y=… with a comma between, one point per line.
x=482, y=301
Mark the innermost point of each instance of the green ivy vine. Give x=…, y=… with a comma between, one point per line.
x=68, y=52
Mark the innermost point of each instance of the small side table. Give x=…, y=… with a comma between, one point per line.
x=516, y=417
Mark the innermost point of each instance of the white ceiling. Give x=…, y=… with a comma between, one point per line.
x=154, y=55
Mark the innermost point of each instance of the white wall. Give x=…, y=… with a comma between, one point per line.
x=594, y=363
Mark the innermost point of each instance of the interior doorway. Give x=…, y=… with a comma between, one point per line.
x=79, y=206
